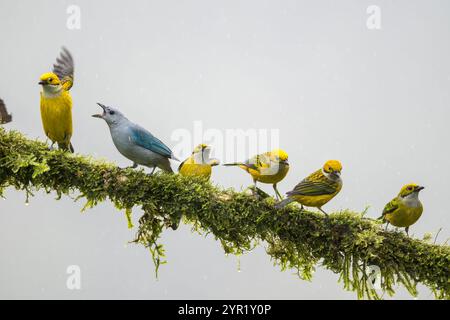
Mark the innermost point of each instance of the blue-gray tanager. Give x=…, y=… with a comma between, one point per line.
x=136, y=143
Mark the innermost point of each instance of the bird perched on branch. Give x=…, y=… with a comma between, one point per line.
x=199, y=163
x=5, y=117
x=270, y=167
x=405, y=209
x=56, y=102
x=136, y=143
x=318, y=188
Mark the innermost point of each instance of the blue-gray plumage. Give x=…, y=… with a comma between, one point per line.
x=136, y=143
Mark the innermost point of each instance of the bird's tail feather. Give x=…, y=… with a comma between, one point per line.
x=165, y=166
x=283, y=203
x=232, y=164
x=66, y=146
x=169, y=170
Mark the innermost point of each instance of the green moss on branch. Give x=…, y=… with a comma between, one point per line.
x=347, y=244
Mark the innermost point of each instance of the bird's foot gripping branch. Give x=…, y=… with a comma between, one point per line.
x=347, y=243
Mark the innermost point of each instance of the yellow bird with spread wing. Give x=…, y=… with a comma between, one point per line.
x=56, y=102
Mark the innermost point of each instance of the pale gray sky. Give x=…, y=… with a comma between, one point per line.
x=378, y=100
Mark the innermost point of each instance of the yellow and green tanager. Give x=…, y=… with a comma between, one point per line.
x=318, y=188
x=270, y=167
x=405, y=209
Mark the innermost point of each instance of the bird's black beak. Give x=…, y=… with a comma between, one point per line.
x=42, y=82
x=100, y=115
x=337, y=174
x=419, y=188
x=285, y=162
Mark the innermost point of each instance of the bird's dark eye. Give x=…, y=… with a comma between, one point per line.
x=111, y=112
x=410, y=188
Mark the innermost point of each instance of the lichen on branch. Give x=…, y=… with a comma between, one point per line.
x=348, y=243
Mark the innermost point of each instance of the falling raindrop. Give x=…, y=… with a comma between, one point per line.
x=27, y=202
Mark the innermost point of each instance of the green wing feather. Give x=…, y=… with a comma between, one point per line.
x=257, y=162
x=252, y=163
x=314, y=185
x=308, y=188
x=390, y=207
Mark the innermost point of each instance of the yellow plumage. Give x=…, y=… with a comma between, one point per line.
x=404, y=216
x=199, y=170
x=270, y=167
x=318, y=188
x=56, y=102
x=198, y=164
x=316, y=201
x=56, y=115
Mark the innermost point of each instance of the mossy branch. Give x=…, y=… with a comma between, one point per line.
x=348, y=243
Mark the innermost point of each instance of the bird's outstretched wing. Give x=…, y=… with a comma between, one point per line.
x=146, y=140
x=64, y=68
x=315, y=185
x=5, y=117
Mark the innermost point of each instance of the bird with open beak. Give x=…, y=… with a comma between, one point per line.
x=136, y=143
